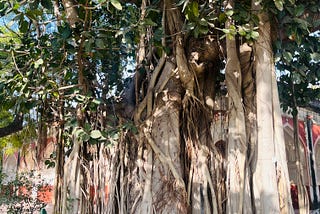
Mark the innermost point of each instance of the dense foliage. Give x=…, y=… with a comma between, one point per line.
x=40, y=51
x=80, y=68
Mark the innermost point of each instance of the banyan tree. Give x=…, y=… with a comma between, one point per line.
x=159, y=106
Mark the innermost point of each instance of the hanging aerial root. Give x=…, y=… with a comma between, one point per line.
x=163, y=158
x=193, y=111
x=147, y=101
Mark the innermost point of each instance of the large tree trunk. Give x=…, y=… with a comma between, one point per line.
x=269, y=167
x=164, y=188
x=237, y=142
x=185, y=159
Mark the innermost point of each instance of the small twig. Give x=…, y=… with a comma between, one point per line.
x=15, y=64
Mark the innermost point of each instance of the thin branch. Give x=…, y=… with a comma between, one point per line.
x=15, y=63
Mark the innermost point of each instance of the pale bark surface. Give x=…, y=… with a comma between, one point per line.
x=270, y=182
x=197, y=150
x=237, y=142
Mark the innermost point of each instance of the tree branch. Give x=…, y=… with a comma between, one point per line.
x=13, y=127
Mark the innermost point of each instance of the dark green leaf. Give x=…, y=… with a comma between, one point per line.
x=100, y=43
x=65, y=31
x=149, y=22
x=299, y=10
x=196, y=32
x=302, y=23
x=33, y=14
x=222, y=17
x=47, y=4
x=203, y=30
x=287, y=56
x=24, y=26
x=203, y=22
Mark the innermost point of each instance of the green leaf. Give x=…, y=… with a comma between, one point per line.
x=78, y=132
x=230, y=36
x=315, y=57
x=279, y=4
x=303, y=24
x=222, y=17
x=149, y=22
x=97, y=101
x=191, y=25
x=229, y=13
x=299, y=10
x=226, y=31
x=65, y=31
x=16, y=6
x=84, y=137
x=87, y=127
x=38, y=63
x=203, y=22
x=287, y=56
x=47, y=4
x=241, y=31
x=196, y=32
x=254, y=35
x=116, y=4
x=203, y=30
x=100, y=43
x=195, y=8
x=95, y=134
x=33, y=14
x=24, y=26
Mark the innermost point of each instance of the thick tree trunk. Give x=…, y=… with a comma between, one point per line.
x=269, y=182
x=237, y=142
x=180, y=160
x=280, y=152
x=264, y=171
x=161, y=173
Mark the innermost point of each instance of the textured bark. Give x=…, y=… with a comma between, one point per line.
x=285, y=201
x=248, y=90
x=168, y=189
x=265, y=177
x=237, y=142
x=186, y=159
x=70, y=8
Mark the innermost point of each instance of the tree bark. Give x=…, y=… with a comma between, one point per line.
x=237, y=142
x=280, y=152
x=266, y=192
